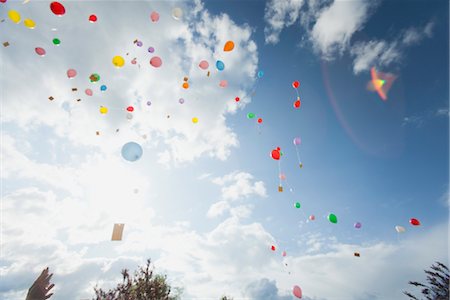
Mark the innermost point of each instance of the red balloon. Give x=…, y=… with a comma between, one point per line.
x=295, y=84
x=57, y=8
x=297, y=104
x=259, y=120
x=275, y=154
x=92, y=18
x=272, y=248
x=414, y=222
x=130, y=108
x=237, y=99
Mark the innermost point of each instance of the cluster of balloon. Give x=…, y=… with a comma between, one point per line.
x=297, y=103
x=132, y=151
x=156, y=61
x=297, y=141
x=297, y=291
x=92, y=18
x=185, y=84
x=332, y=218
x=57, y=8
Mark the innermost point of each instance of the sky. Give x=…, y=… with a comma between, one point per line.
x=203, y=201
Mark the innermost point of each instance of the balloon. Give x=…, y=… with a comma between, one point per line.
x=40, y=51
x=400, y=229
x=250, y=115
x=297, y=291
x=29, y=23
x=57, y=8
x=133, y=61
x=414, y=222
x=181, y=100
x=357, y=225
x=260, y=120
x=151, y=49
x=228, y=46
x=103, y=110
x=88, y=92
x=220, y=65
x=282, y=176
x=237, y=99
x=56, y=42
x=129, y=116
x=295, y=84
x=139, y=43
x=203, y=65
x=71, y=73
x=149, y=103
x=272, y=248
x=297, y=103
x=177, y=13
x=92, y=18
x=332, y=218
x=156, y=61
x=312, y=217
x=185, y=85
x=223, y=83
x=118, y=61
x=297, y=141
x=103, y=88
x=260, y=74
x=130, y=108
x=185, y=79
x=132, y=151
x=195, y=120
x=284, y=253
x=297, y=205
x=275, y=154
x=154, y=16
x=94, y=77
x=14, y=16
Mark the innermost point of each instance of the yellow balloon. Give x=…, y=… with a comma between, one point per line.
x=118, y=61
x=195, y=120
x=103, y=110
x=29, y=23
x=14, y=16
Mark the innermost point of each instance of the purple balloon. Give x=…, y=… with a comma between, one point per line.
x=139, y=44
x=149, y=103
x=151, y=49
x=297, y=141
x=357, y=225
x=181, y=100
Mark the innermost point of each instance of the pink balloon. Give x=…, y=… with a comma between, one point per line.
x=282, y=176
x=284, y=253
x=40, y=51
x=156, y=61
x=297, y=291
x=297, y=141
x=71, y=73
x=154, y=16
x=312, y=217
x=89, y=92
x=223, y=83
x=203, y=65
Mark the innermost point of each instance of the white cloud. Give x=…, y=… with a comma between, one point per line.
x=280, y=14
x=239, y=185
x=374, y=53
x=218, y=209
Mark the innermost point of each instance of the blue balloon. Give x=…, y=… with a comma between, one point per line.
x=260, y=74
x=103, y=88
x=132, y=151
x=220, y=65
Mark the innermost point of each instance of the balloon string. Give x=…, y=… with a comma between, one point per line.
x=298, y=156
x=279, y=172
x=296, y=91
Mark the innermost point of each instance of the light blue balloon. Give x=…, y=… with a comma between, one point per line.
x=260, y=74
x=103, y=88
x=220, y=65
x=132, y=151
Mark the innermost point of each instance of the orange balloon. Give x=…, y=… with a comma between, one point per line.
x=185, y=85
x=228, y=46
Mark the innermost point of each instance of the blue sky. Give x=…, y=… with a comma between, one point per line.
x=203, y=200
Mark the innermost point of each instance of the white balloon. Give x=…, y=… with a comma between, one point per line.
x=177, y=13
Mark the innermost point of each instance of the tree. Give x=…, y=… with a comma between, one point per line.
x=144, y=285
x=438, y=283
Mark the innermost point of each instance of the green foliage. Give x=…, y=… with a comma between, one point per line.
x=144, y=285
x=438, y=284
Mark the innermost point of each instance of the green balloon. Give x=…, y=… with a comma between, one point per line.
x=250, y=115
x=56, y=41
x=332, y=218
x=297, y=204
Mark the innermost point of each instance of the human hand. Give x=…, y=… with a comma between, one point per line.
x=41, y=287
